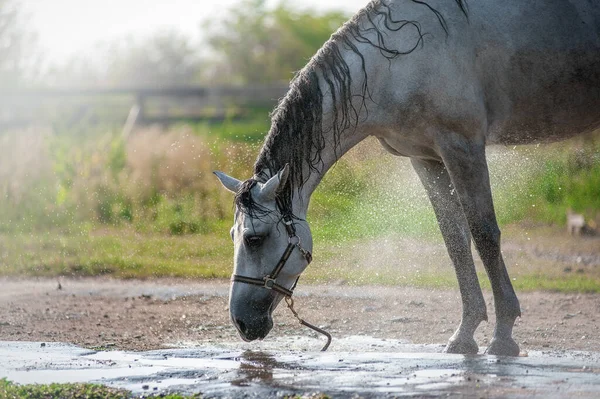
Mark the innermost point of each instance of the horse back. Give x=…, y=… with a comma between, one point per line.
x=538, y=64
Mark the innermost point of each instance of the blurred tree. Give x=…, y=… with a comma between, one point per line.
x=253, y=43
x=257, y=44
x=18, y=60
x=166, y=58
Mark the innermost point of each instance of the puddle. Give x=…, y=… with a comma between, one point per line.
x=370, y=367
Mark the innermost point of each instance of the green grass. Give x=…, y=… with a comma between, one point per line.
x=566, y=183
x=252, y=129
x=539, y=183
x=9, y=390
x=418, y=262
x=522, y=281
x=118, y=253
x=541, y=282
x=354, y=201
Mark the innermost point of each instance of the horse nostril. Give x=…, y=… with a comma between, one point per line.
x=241, y=326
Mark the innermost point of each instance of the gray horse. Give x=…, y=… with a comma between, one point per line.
x=435, y=81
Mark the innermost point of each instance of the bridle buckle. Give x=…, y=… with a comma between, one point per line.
x=269, y=282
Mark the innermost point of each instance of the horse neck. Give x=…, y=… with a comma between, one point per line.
x=357, y=130
x=330, y=155
x=332, y=151
x=324, y=114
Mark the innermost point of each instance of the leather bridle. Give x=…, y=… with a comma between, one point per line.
x=270, y=280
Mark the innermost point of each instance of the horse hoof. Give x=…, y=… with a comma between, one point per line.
x=462, y=347
x=503, y=347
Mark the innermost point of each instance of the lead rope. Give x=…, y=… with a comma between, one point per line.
x=288, y=221
x=290, y=304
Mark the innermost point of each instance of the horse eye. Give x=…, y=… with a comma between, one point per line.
x=254, y=241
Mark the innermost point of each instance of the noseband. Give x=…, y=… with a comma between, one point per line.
x=270, y=280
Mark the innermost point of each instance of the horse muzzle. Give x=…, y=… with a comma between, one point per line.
x=252, y=328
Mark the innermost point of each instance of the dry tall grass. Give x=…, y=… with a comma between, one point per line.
x=161, y=180
x=26, y=179
x=24, y=158
x=176, y=163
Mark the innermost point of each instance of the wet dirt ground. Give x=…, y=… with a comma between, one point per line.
x=147, y=315
x=382, y=335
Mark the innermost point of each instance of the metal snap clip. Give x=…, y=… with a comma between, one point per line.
x=291, y=238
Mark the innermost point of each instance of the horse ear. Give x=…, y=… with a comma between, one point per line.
x=272, y=186
x=230, y=183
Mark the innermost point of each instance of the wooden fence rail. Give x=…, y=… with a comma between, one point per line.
x=147, y=104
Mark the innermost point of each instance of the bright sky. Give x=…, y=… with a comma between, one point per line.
x=66, y=27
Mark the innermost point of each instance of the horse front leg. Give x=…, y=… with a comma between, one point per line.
x=464, y=157
x=455, y=230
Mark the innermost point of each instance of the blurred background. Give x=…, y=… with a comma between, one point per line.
x=113, y=115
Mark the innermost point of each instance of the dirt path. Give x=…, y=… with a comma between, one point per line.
x=142, y=315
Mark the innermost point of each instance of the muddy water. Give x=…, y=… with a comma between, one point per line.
x=369, y=367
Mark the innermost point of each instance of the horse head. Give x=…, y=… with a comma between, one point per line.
x=271, y=249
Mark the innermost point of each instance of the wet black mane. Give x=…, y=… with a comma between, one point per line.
x=296, y=136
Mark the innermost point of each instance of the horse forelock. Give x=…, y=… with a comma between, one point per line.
x=296, y=136
x=246, y=204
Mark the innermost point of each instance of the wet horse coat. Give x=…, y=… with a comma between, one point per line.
x=435, y=81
